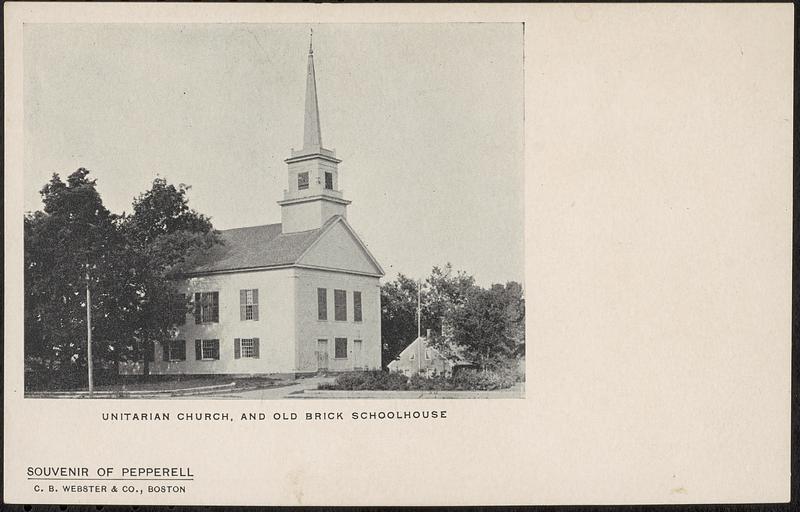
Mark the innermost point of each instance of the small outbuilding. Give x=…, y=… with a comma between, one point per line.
x=419, y=357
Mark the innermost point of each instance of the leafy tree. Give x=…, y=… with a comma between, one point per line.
x=485, y=326
x=445, y=290
x=398, y=316
x=74, y=243
x=164, y=236
x=488, y=326
x=127, y=262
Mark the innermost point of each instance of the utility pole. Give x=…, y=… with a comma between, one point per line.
x=89, y=334
x=419, y=326
x=419, y=310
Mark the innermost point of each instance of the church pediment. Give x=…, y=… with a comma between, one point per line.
x=340, y=248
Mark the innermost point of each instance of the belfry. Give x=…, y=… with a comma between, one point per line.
x=313, y=195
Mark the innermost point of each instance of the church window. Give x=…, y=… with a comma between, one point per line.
x=340, y=349
x=206, y=349
x=302, y=181
x=174, y=350
x=179, y=308
x=428, y=354
x=206, y=307
x=340, y=305
x=245, y=348
x=248, y=304
x=329, y=180
x=322, y=304
x=357, y=306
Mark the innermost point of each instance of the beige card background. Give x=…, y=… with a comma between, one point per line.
x=658, y=276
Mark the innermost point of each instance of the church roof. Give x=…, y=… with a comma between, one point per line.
x=262, y=247
x=256, y=247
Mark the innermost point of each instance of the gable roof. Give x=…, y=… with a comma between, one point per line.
x=259, y=247
x=413, y=347
x=311, y=257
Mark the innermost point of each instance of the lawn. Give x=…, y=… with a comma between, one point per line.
x=177, y=383
x=164, y=384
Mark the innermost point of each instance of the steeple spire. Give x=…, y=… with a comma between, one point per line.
x=313, y=196
x=312, y=135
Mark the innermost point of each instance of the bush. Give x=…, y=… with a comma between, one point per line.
x=434, y=383
x=500, y=378
x=464, y=380
x=376, y=380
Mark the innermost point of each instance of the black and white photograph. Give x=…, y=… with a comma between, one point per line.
x=266, y=211
x=454, y=254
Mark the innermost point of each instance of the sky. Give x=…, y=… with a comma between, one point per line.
x=426, y=118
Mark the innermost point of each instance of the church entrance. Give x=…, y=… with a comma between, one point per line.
x=356, y=354
x=322, y=355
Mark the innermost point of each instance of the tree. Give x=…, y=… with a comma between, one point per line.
x=485, y=326
x=398, y=316
x=488, y=326
x=73, y=243
x=128, y=262
x=445, y=290
x=164, y=235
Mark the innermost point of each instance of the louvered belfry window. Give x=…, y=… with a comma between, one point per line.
x=302, y=181
x=248, y=304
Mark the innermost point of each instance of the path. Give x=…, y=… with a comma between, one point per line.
x=276, y=392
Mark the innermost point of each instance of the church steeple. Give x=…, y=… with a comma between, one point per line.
x=312, y=134
x=313, y=195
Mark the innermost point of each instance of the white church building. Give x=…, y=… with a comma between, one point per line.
x=301, y=296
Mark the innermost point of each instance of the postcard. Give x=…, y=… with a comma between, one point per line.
x=451, y=254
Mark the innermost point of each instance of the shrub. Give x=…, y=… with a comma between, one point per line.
x=500, y=378
x=464, y=380
x=376, y=380
x=435, y=383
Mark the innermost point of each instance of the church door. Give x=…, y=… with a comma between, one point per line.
x=322, y=355
x=357, y=354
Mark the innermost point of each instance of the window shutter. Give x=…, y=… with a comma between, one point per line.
x=322, y=303
x=255, y=304
x=215, y=307
x=357, y=306
x=255, y=348
x=197, y=318
x=165, y=350
x=198, y=349
x=242, y=304
x=215, y=349
x=237, y=348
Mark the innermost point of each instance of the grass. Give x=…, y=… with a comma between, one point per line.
x=178, y=382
